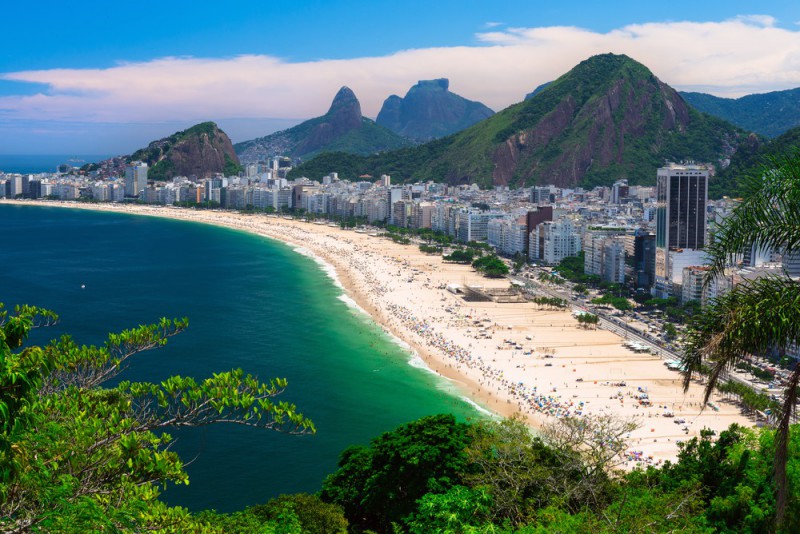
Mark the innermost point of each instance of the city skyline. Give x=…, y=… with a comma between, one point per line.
x=60, y=92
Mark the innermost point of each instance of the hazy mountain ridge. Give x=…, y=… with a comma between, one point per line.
x=430, y=111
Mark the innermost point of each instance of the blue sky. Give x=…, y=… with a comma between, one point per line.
x=108, y=77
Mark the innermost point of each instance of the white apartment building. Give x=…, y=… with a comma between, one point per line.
x=508, y=235
x=552, y=241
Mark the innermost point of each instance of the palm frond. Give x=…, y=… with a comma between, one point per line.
x=753, y=318
x=768, y=217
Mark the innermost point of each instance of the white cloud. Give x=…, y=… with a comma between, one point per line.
x=493, y=24
x=729, y=58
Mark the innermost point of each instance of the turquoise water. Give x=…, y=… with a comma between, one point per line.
x=252, y=303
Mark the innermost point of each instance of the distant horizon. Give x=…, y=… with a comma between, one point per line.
x=255, y=70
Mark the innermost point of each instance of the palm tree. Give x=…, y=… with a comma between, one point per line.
x=759, y=315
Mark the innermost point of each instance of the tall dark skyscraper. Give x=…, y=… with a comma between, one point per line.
x=682, y=194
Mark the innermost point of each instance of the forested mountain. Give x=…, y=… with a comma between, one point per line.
x=768, y=114
x=750, y=159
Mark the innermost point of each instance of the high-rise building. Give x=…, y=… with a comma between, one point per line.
x=619, y=192
x=791, y=263
x=644, y=260
x=681, y=195
x=552, y=241
x=135, y=178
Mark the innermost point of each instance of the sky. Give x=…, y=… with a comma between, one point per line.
x=97, y=77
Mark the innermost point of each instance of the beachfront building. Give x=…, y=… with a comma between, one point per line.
x=682, y=192
x=508, y=235
x=421, y=213
x=643, y=271
x=552, y=241
x=377, y=209
x=614, y=260
x=135, y=178
x=604, y=253
x=692, y=283
x=401, y=213
x=474, y=225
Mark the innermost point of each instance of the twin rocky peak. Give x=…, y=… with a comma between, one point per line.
x=428, y=111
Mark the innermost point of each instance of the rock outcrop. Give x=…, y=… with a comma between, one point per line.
x=429, y=111
x=201, y=151
x=342, y=128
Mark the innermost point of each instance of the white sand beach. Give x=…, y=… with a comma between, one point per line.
x=507, y=357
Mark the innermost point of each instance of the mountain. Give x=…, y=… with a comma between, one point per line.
x=769, y=114
x=750, y=160
x=537, y=90
x=429, y=111
x=608, y=118
x=342, y=128
x=201, y=150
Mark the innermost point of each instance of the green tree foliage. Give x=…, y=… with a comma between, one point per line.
x=522, y=473
x=588, y=319
x=490, y=266
x=460, y=509
x=231, y=167
x=757, y=315
x=460, y=256
x=77, y=456
x=501, y=478
x=519, y=260
x=619, y=303
x=572, y=268
x=670, y=331
x=312, y=513
x=380, y=484
x=551, y=303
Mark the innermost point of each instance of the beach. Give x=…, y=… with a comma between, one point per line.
x=507, y=357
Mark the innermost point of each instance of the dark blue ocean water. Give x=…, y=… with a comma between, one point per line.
x=33, y=164
x=252, y=303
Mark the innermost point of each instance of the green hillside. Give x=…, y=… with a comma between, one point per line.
x=200, y=150
x=768, y=114
x=749, y=160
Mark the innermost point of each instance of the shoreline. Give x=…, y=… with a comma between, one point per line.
x=505, y=358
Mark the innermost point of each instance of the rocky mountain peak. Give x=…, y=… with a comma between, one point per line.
x=342, y=128
x=346, y=108
x=439, y=83
x=429, y=110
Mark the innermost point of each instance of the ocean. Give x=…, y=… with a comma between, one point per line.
x=252, y=303
x=36, y=163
